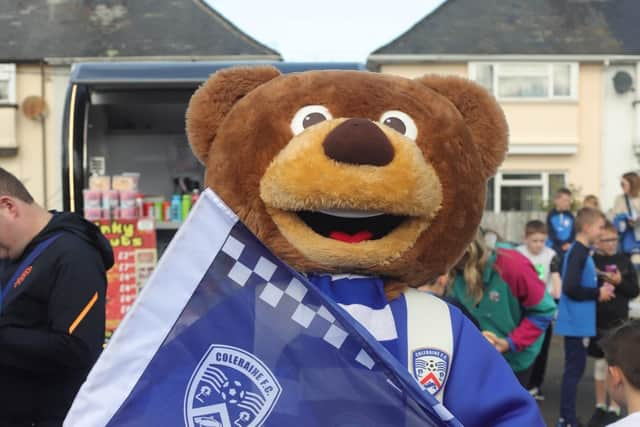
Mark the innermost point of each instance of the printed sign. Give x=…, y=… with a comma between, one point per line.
x=135, y=254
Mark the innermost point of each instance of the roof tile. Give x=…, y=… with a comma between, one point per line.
x=524, y=27
x=37, y=29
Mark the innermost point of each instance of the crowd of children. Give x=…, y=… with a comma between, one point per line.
x=572, y=268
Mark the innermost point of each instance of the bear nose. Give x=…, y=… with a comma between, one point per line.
x=360, y=142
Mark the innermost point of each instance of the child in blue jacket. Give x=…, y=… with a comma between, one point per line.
x=577, y=308
x=560, y=222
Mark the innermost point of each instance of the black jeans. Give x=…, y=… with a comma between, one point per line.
x=524, y=377
x=575, y=360
x=540, y=364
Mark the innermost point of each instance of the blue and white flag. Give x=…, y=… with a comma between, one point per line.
x=226, y=335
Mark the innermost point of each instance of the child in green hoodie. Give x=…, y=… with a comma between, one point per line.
x=501, y=289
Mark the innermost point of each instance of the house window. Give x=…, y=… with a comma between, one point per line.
x=7, y=84
x=527, y=81
x=518, y=191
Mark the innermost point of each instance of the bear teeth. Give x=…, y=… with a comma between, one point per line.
x=350, y=213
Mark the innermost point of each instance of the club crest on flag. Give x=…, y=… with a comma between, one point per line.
x=430, y=367
x=230, y=388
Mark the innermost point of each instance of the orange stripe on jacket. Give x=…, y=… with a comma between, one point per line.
x=83, y=313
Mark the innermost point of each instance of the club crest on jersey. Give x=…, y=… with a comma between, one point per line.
x=430, y=367
x=230, y=388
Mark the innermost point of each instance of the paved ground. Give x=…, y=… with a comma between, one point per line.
x=551, y=405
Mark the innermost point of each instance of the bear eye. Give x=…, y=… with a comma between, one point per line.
x=308, y=116
x=400, y=122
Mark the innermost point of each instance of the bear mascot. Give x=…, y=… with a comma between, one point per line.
x=370, y=185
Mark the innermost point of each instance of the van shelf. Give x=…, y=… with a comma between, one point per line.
x=167, y=225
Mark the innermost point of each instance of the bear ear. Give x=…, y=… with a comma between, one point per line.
x=481, y=113
x=210, y=104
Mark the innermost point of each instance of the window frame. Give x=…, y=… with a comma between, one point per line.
x=573, y=84
x=8, y=73
x=543, y=182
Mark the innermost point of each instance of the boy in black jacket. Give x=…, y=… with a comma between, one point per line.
x=614, y=268
x=52, y=306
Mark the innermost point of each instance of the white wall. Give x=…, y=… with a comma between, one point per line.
x=617, y=154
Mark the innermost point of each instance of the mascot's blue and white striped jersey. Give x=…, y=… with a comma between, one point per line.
x=440, y=347
x=226, y=335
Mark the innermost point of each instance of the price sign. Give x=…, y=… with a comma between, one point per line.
x=135, y=251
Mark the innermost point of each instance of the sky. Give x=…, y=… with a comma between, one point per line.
x=328, y=30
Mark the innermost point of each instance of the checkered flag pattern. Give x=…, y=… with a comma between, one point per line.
x=279, y=289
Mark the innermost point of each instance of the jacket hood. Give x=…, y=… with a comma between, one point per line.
x=75, y=224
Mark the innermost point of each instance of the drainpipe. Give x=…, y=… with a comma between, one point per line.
x=43, y=127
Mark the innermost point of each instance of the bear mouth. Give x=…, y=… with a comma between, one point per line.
x=351, y=226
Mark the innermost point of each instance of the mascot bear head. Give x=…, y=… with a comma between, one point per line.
x=349, y=171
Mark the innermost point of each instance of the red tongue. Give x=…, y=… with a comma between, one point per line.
x=351, y=238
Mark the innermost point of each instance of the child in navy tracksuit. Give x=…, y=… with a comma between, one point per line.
x=560, y=222
x=577, y=308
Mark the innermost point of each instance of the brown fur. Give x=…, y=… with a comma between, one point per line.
x=482, y=114
x=248, y=147
x=213, y=101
